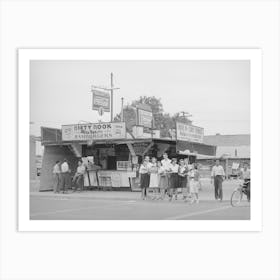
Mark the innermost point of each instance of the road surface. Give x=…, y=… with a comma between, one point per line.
x=112, y=205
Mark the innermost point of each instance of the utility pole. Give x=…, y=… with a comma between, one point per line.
x=122, y=117
x=112, y=91
x=186, y=115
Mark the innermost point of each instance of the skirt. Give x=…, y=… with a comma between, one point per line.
x=182, y=182
x=144, y=180
x=174, y=180
x=153, y=180
x=194, y=186
x=163, y=182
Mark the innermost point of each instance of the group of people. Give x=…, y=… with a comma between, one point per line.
x=165, y=177
x=62, y=176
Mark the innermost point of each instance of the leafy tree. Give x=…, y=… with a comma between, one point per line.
x=162, y=121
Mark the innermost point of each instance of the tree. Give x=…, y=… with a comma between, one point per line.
x=162, y=121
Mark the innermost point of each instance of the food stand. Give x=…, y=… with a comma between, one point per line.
x=112, y=156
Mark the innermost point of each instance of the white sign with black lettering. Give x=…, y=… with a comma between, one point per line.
x=191, y=133
x=93, y=131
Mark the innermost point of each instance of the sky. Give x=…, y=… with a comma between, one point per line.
x=215, y=93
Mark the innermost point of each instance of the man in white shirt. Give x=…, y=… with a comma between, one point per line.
x=56, y=174
x=166, y=164
x=65, y=176
x=218, y=175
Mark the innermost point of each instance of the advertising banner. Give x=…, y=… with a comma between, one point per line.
x=186, y=132
x=93, y=131
x=100, y=99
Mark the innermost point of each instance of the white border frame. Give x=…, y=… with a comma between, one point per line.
x=24, y=57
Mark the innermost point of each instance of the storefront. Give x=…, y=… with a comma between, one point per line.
x=112, y=155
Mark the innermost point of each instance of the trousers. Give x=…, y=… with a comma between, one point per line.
x=218, y=184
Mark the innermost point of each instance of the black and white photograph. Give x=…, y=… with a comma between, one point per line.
x=140, y=140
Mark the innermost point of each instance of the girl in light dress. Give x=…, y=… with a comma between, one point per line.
x=195, y=184
x=154, y=177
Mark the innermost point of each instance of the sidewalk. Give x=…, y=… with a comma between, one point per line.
x=207, y=193
x=116, y=195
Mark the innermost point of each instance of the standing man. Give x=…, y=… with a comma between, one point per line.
x=218, y=175
x=65, y=176
x=56, y=173
x=166, y=164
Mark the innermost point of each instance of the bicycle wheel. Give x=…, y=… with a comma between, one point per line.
x=236, y=197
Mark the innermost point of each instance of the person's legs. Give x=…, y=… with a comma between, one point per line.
x=196, y=197
x=220, y=189
x=162, y=193
x=170, y=193
x=79, y=183
x=176, y=193
x=62, y=182
x=192, y=195
x=216, y=186
x=56, y=182
x=67, y=182
x=143, y=193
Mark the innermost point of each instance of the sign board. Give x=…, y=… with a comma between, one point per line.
x=100, y=99
x=93, y=131
x=191, y=133
x=235, y=165
x=145, y=118
x=116, y=180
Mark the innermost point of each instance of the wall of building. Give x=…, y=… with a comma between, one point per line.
x=205, y=165
x=32, y=158
x=51, y=155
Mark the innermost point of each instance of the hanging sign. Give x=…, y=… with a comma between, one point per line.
x=100, y=99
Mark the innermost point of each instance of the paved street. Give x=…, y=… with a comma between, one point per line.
x=115, y=205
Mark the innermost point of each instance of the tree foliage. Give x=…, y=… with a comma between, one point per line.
x=162, y=120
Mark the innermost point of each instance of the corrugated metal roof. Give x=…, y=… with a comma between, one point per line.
x=233, y=151
x=228, y=140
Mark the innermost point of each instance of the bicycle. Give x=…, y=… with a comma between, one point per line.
x=239, y=192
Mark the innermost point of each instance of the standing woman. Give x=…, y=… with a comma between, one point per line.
x=154, y=177
x=182, y=178
x=173, y=179
x=144, y=172
x=163, y=180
